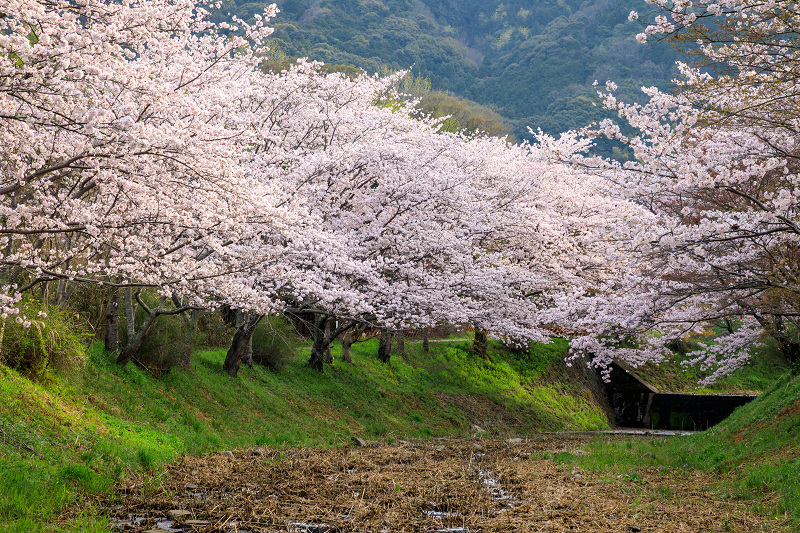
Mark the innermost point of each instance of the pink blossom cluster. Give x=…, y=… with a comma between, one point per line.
x=143, y=148
x=715, y=164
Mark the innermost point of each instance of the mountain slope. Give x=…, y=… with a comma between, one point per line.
x=534, y=62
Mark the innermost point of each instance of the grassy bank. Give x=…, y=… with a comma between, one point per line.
x=754, y=455
x=72, y=436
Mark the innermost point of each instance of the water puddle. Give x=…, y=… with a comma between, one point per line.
x=132, y=522
x=161, y=523
x=302, y=527
x=504, y=498
x=438, y=511
x=166, y=525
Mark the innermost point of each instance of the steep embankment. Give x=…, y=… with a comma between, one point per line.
x=75, y=436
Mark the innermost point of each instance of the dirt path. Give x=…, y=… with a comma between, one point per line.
x=455, y=485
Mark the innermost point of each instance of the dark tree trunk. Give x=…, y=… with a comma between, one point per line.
x=317, y=359
x=481, y=343
x=348, y=338
x=385, y=346
x=790, y=349
x=241, y=349
x=241, y=318
x=130, y=313
x=426, y=347
x=45, y=296
x=323, y=333
x=135, y=342
x=65, y=297
x=61, y=289
x=112, y=323
x=319, y=343
x=189, y=317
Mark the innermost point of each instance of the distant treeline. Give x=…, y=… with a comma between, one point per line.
x=531, y=63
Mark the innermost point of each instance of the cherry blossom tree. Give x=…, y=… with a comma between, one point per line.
x=142, y=148
x=407, y=227
x=716, y=164
x=122, y=156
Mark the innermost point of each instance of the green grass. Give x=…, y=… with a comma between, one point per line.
x=73, y=436
x=755, y=454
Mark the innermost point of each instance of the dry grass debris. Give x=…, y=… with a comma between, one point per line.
x=424, y=486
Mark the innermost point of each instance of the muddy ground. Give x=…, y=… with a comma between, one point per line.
x=458, y=486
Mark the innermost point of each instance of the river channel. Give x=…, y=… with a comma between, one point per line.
x=445, y=485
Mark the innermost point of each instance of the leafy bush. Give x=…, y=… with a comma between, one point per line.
x=274, y=342
x=464, y=115
x=216, y=333
x=45, y=338
x=168, y=344
x=89, y=303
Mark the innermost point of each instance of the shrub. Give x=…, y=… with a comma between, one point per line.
x=168, y=344
x=274, y=342
x=88, y=304
x=215, y=331
x=46, y=338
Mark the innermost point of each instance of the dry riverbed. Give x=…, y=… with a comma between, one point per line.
x=456, y=486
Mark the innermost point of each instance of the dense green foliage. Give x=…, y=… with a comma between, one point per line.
x=533, y=62
x=463, y=115
x=51, y=340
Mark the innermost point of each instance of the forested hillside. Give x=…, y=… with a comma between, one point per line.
x=534, y=61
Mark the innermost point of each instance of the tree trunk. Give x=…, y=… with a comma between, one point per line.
x=317, y=359
x=112, y=323
x=61, y=290
x=347, y=341
x=190, y=318
x=45, y=296
x=426, y=347
x=135, y=342
x=241, y=318
x=385, y=346
x=136, y=336
x=481, y=343
x=790, y=349
x=130, y=313
x=323, y=336
x=319, y=344
x=64, y=297
x=241, y=349
x=349, y=337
